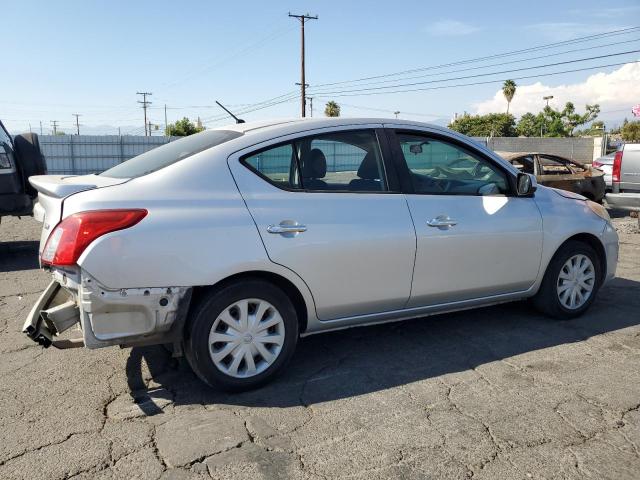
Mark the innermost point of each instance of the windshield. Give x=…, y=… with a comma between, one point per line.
x=170, y=153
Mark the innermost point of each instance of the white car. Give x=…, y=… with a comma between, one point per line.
x=605, y=164
x=232, y=243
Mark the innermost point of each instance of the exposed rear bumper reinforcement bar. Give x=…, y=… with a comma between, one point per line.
x=50, y=316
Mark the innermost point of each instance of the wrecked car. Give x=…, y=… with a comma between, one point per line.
x=560, y=172
x=232, y=243
x=20, y=158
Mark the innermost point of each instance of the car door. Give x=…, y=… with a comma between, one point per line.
x=475, y=239
x=326, y=207
x=12, y=198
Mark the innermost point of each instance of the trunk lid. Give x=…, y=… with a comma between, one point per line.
x=53, y=189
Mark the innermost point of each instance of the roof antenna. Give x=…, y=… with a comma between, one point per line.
x=238, y=120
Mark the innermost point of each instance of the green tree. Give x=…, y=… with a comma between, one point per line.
x=631, y=131
x=332, y=109
x=555, y=123
x=491, y=125
x=529, y=125
x=595, y=129
x=571, y=119
x=509, y=90
x=182, y=128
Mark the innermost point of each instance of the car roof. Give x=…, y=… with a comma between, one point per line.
x=301, y=124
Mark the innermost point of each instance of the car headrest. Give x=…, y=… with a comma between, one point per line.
x=315, y=164
x=369, y=167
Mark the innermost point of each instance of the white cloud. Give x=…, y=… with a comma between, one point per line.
x=617, y=90
x=450, y=28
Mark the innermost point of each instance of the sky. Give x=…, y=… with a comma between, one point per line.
x=91, y=58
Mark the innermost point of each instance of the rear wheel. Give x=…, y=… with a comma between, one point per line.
x=570, y=283
x=241, y=336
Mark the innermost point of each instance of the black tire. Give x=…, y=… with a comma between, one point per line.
x=30, y=159
x=206, y=311
x=547, y=300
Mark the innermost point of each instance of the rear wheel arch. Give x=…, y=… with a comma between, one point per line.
x=279, y=281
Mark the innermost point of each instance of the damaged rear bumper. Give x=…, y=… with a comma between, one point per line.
x=105, y=317
x=52, y=314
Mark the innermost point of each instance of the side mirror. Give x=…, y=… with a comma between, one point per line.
x=526, y=184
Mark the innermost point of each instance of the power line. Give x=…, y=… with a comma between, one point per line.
x=477, y=75
x=587, y=38
x=249, y=110
x=496, y=80
x=237, y=54
x=303, y=85
x=384, y=110
x=499, y=64
x=284, y=97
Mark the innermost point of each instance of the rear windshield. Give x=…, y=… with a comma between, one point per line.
x=170, y=153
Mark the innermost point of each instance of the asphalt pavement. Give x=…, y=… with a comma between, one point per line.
x=494, y=393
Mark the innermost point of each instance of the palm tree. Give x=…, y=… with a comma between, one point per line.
x=509, y=90
x=332, y=109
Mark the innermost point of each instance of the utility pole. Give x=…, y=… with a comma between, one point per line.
x=396, y=113
x=54, y=123
x=77, y=124
x=166, y=125
x=310, y=105
x=145, y=103
x=303, y=85
x=544, y=114
x=40, y=127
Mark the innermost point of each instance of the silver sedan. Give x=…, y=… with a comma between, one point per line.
x=232, y=243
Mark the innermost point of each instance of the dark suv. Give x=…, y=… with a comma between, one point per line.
x=20, y=158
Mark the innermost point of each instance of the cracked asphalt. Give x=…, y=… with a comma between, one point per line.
x=500, y=392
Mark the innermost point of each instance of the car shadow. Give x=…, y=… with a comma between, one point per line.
x=19, y=255
x=358, y=361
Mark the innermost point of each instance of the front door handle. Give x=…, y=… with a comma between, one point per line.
x=442, y=221
x=287, y=228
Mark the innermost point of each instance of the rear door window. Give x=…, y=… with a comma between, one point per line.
x=345, y=161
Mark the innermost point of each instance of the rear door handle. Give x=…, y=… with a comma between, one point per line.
x=287, y=228
x=442, y=221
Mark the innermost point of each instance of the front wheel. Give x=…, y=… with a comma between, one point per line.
x=240, y=337
x=570, y=283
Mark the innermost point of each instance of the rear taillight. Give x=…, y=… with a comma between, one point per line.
x=597, y=164
x=74, y=234
x=617, y=164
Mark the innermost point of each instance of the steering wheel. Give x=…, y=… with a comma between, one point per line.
x=457, y=161
x=478, y=169
x=437, y=171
